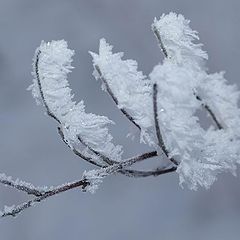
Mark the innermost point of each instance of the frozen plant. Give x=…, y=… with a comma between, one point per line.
x=163, y=106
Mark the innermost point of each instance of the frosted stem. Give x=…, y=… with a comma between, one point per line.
x=87, y=183
x=49, y=112
x=21, y=185
x=130, y=172
x=205, y=105
x=157, y=127
x=76, y=152
x=110, y=92
x=161, y=45
x=209, y=110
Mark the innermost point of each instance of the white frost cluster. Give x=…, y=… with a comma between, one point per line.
x=131, y=88
x=51, y=65
x=182, y=76
x=184, y=86
x=177, y=37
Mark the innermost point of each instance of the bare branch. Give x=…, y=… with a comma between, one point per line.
x=157, y=127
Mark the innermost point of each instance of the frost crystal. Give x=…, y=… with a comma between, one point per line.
x=178, y=38
x=132, y=90
x=51, y=65
x=184, y=87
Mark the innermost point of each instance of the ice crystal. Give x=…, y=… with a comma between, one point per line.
x=51, y=65
x=132, y=90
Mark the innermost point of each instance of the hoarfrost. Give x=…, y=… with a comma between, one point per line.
x=50, y=86
x=184, y=87
x=131, y=89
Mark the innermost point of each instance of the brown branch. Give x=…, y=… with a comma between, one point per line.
x=76, y=152
x=36, y=66
x=209, y=110
x=129, y=172
x=110, y=92
x=21, y=185
x=86, y=181
x=16, y=210
x=161, y=45
x=157, y=127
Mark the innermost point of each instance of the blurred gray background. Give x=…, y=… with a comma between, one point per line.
x=30, y=148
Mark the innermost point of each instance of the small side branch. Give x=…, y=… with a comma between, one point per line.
x=21, y=185
x=161, y=45
x=110, y=92
x=157, y=127
x=130, y=172
x=209, y=110
x=14, y=210
x=36, y=66
x=76, y=152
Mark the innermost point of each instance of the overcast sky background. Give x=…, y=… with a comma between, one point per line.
x=30, y=148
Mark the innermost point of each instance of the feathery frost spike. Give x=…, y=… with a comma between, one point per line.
x=131, y=89
x=50, y=86
x=178, y=38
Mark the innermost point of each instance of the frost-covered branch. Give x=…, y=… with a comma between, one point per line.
x=110, y=92
x=163, y=106
x=89, y=182
x=161, y=25
x=210, y=112
x=157, y=127
x=21, y=185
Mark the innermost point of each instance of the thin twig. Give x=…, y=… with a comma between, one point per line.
x=209, y=110
x=129, y=172
x=161, y=45
x=110, y=92
x=16, y=210
x=36, y=66
x=76, y=152
x=157, y=127
x=21, y=185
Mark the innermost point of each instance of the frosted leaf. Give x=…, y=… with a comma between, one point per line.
x=132, y=90
x=178, y=38
x=51, y=65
